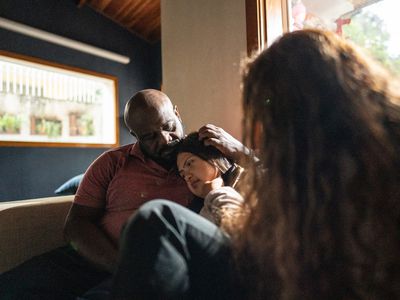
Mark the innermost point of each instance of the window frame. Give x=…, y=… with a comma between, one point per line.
x=70, y=70
x=265, y=21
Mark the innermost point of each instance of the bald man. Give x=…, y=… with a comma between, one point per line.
x=156, y=124
x=115, y=185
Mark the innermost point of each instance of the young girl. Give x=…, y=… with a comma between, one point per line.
x=145, y=251
x=212, y=177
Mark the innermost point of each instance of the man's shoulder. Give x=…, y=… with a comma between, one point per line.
x=114, y=155
x=121, y=150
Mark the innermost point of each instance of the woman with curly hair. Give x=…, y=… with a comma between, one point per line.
x=328, y=211
x=323, y=220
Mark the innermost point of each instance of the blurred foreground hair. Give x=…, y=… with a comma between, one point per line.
x=325, y=218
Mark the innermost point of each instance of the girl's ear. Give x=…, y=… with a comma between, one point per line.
x=217, y=172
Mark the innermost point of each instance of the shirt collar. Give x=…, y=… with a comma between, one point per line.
x=137, y=152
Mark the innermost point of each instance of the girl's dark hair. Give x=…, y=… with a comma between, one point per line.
x=325, y=219
x=192, y=144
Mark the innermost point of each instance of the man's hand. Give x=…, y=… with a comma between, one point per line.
x=84, y=235
x=224, y=142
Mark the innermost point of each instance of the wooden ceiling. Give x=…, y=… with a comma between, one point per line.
x=141, y=17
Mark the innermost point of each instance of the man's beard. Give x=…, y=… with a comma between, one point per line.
x=166, y=156
x=168, y=151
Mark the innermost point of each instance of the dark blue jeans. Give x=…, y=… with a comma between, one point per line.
x=169, y=252
x=60, y=274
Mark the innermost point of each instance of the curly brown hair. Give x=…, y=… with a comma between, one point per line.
x=324, y=220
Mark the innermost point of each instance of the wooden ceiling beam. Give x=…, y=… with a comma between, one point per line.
x=141, y=17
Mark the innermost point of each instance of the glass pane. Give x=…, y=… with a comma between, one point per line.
x=42, y=103
x=371, y=24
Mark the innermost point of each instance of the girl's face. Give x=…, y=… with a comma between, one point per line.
x=200, y=176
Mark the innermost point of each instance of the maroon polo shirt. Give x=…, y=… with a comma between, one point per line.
x=122, y=179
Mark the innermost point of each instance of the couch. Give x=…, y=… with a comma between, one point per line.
x=31, y=227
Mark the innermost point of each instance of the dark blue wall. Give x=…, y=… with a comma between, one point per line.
x=27, y=172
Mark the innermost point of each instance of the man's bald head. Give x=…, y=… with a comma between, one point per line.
x=144, y=102
x=151, y=117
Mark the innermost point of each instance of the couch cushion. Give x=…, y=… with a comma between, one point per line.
x=31, y=227
x=70, y=186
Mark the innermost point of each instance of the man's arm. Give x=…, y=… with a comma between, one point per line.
x=227, y=144
x=88, y=239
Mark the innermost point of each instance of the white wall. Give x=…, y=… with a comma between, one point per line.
x=203, y=42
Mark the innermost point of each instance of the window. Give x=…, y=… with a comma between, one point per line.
x=44, y=104
x=265, y=21
x=371, y=24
